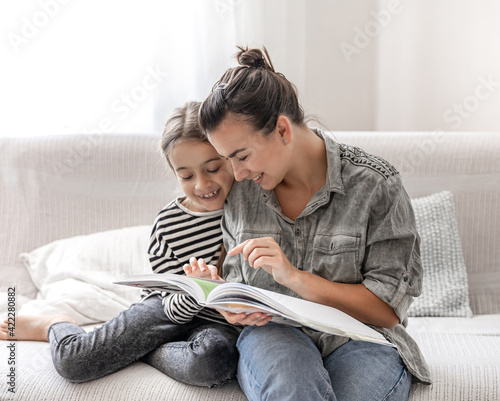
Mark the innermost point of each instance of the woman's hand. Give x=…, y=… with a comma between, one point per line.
x=267, y=254
x=252, y=319
x=199, y=268
x=354, y=299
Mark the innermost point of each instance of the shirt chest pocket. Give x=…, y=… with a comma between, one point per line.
x=336, y=257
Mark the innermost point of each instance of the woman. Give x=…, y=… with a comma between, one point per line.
x=316, y=219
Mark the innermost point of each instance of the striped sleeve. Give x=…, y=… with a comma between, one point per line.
x=180, y=308
x=161, y=255
x=178, y=235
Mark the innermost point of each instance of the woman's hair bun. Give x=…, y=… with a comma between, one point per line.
x=254, y=58
x=254, y=91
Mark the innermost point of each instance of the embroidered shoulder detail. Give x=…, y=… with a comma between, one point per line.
x=359, y=157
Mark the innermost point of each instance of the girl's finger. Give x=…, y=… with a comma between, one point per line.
x=194, y=263
x=187, y=269
x=202, y=265
x=213, y=272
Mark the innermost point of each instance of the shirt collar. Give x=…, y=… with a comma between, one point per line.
x=333, y=175
x=334, y=171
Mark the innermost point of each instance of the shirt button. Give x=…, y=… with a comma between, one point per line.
x=297, y=232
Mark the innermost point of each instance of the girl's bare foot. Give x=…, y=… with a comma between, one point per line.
x=30, y=327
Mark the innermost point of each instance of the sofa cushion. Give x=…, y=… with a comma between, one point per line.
x=56, y=187
x=445, y=289
x=463, y=356
x=75, y=275
x=38, y=380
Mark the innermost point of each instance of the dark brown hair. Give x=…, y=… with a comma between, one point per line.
x=220, y=262
x=253, y=91
x=182, y=125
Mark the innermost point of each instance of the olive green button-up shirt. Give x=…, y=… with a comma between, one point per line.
x=358, y=228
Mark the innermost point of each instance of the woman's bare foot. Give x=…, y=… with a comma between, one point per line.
x=31, y=327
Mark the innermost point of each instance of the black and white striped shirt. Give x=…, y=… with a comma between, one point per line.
x=179, y=234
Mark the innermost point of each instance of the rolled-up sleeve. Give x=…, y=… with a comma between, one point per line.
x=392, y=268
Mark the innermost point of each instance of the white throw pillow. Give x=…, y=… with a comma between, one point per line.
x=75, y=276
x=445, y=288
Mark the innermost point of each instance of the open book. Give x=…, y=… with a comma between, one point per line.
x=237, y=298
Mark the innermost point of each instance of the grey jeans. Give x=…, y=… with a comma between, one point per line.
x=200, y=353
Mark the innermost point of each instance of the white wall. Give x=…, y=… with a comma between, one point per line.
x=304, y=42
x=391, y=65
x=438, y=67
x=358, y=64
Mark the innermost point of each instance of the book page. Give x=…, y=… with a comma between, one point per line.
x=316, y=316
x=240, y=297
x=205, y=285
x=167, y=282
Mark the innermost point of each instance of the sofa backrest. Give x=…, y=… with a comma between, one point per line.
x=468, y=165
x=63, y=186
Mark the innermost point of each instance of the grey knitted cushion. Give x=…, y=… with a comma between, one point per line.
x=445, y=290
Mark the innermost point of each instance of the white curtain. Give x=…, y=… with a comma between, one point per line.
x=111, y=66
x=122, y=66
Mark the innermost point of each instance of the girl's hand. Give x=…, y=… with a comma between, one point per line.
x=198, y=268
x=252, y=319
x=267, y=254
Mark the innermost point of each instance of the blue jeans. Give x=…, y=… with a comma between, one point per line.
x=280, y=362
x=200, y=352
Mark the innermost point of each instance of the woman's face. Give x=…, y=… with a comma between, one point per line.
x=253, y=156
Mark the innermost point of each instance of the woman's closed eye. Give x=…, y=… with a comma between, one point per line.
x=242, y=159
x=214, y=170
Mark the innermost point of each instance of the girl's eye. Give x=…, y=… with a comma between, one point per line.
x=186, y=178
x=242, y=159
x=214, y=170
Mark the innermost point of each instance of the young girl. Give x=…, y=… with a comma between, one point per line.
x=317, y=219
x=169, y=331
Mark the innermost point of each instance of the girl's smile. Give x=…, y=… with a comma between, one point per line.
x=203, y=175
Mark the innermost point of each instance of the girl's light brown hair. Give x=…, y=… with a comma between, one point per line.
x=182, y=125
x=253, y=91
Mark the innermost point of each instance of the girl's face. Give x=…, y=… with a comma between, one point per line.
x=252, y=155
x=204, y=176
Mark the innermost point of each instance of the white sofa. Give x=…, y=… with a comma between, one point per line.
x=61, y=187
